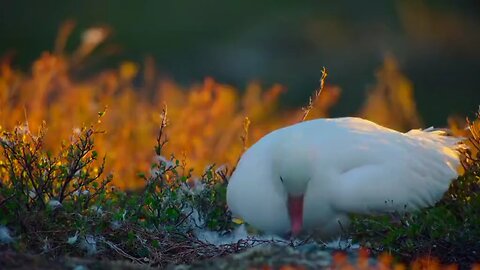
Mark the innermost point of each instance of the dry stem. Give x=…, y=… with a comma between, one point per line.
x=316, y=94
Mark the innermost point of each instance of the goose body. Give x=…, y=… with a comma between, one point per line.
x=310, y=176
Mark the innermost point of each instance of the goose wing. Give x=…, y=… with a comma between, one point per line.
x=399, y=172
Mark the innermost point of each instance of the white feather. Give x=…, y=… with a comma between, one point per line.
x=345, y=165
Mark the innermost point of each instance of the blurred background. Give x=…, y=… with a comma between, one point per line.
x=437, y=43
x=402, y=64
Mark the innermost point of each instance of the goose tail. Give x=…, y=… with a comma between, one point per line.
x=442, y=136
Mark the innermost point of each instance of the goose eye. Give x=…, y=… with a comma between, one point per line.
x=281, y=179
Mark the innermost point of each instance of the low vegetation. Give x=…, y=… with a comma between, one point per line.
x=63, y=204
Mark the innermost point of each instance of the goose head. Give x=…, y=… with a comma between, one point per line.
x=294, y=168
x=269, y=185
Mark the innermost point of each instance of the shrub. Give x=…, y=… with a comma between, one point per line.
x=41, y=191
x=61, y=203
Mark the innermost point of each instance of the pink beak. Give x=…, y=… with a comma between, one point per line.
x=295, y=210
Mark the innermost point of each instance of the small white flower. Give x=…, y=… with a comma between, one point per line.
x=23, y=129
x=81, y=192
x=186, y=189
x=46, y=245
x=73, y=239
x=77, y=131
x=208, y=167
x=198, y=186
x=168, y=163
x=115, y=225
x=222, y=168
x=195, y=219
x=5, y=237
x=97, y=209
x=154, y=172
x=89, y=244
x=5, y=141
x=54, y=204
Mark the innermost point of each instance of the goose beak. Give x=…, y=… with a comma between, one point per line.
x=295, y=210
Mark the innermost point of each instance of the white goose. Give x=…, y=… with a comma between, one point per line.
x=312, y=175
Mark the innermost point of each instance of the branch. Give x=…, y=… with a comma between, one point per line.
x=316, y=94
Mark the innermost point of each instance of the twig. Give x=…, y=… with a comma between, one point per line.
x=6, y=200
x=161, y=138
x=316, y=94
x=123, y=253
x=244, y=136
x=183, y=219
